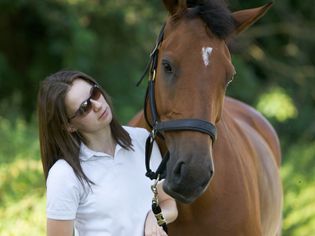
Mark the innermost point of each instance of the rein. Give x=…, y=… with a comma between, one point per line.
x=158, y=127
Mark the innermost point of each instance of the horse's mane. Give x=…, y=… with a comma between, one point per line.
x=215, y=14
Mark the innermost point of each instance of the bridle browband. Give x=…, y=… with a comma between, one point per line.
x=158, y=126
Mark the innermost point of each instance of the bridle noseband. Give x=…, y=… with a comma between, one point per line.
x=158, y=126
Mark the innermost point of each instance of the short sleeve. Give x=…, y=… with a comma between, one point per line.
x=63, y=192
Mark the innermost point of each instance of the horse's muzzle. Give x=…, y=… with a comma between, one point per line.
x=187, y=180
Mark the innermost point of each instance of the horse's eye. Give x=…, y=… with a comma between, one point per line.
x=167, y=67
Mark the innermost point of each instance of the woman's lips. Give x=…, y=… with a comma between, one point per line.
x=103, y=114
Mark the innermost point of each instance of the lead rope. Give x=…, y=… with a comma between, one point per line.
x=156, y=207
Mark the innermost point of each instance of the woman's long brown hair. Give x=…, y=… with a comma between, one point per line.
x=56, y=142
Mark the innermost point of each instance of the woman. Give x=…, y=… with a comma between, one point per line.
x=94, y=167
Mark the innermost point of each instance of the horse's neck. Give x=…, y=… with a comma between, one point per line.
x=138, y=121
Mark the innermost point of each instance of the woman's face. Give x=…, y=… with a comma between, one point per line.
x=97, y=115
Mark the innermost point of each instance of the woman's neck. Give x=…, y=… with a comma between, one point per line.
x=102, y=141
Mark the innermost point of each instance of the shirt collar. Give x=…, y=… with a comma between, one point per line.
x=86, y=153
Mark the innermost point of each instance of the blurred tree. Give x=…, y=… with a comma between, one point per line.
x=277, y=53
x=107, y=39
x=111, y=40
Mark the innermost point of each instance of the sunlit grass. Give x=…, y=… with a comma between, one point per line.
x=24, y=217
x=22, y=190
x=17, y=140
x=298, y=175
x=22, y=198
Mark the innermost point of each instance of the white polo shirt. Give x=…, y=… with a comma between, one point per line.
x=121, y=197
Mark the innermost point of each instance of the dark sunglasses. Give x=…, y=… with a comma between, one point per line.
x=86, y=106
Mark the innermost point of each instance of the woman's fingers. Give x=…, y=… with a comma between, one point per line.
x=151, y=226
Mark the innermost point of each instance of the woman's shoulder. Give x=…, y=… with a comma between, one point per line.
x=60, y=165
x=137, y=135
x=136, y=132
x=61, y=170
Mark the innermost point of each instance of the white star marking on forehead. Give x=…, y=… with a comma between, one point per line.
x=206, y=52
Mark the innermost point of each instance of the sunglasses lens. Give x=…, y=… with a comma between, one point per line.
x=86, y=106
x=95, y=93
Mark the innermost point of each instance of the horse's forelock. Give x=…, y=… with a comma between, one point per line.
x=215, y=14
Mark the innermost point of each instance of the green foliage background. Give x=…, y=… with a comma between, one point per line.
x=111, y=40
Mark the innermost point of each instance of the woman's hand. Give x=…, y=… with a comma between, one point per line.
x=169, y=211
x=151, y=227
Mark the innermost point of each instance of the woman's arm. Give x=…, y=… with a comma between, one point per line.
x=59, y=227
x=169, y=211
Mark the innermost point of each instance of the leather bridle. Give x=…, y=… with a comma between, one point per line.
x=157, y=126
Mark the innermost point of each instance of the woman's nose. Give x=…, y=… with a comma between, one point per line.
x=96, y=105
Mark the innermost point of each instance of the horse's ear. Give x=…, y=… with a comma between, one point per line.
x=175, y=6
x=245, y=18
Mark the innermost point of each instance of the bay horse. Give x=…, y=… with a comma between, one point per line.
x=227, y=185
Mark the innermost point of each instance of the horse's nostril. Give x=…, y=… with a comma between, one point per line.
x=178, y=170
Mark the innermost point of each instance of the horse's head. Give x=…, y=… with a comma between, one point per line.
x=193, y=70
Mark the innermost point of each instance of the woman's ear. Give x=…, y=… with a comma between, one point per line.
x=71, y=129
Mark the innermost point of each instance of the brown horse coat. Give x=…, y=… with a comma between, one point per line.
x=244, y=196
